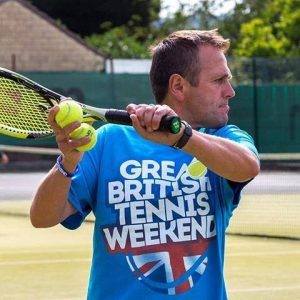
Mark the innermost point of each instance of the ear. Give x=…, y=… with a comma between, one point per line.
x=177, y=86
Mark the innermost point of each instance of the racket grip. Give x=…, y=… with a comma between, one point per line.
x=170, y=124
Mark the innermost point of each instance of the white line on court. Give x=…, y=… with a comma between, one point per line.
x=52, y=251
x=55, y=261
x=43, y=261
x=84, y=251
x=265, y=289
x=263, y=253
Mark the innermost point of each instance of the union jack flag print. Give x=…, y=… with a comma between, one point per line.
x=170, y=269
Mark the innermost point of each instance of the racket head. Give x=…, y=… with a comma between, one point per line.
x=24, y=106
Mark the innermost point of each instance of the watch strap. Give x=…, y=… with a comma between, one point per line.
x=187, y=133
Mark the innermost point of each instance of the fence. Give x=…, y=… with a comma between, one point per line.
x=267, y=102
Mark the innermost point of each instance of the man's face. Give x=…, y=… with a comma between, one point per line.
x=206, y=105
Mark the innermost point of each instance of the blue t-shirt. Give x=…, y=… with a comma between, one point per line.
x=160, y=214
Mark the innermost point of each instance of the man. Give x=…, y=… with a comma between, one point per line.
x=162, y=201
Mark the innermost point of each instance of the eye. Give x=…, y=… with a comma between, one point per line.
x=220, y=80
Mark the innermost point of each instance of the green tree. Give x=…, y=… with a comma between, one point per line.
x=257, y=39
x=189, y=16
x=86, y=16
x=268, y=28
x=244, y=11
x=119, y=43
x=204, y=13
x=134, y=41
x=178, y=21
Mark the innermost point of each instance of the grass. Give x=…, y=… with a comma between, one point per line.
x=45, y=263
x=54, y=263
x=270, y=215
x=262, y=268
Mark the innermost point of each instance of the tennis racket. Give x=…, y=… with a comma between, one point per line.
x=24, y=107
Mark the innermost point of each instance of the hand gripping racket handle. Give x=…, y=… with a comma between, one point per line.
x=170, y=124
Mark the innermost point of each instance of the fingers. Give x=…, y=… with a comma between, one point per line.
x=136, y=124
x=161, y=111
x=64, y=133
x=56, y=128
x=51, y=118
x=60, y=133
x=149, y=116
x=64, y=142
x=131, y=108
x=75, y=143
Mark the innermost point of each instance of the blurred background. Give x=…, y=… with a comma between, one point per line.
x=98, y=52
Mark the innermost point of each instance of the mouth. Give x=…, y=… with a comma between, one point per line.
x=225, y=108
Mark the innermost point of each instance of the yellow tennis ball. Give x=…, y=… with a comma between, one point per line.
x=69, y=112
x=196, y=169
x=82, y=131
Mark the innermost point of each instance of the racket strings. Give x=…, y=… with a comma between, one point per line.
x=22, y=109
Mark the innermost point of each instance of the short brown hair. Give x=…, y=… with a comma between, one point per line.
x=178, y=54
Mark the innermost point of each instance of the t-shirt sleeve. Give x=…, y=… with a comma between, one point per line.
x=232, y=190
x=83, y=190
x=239, y=136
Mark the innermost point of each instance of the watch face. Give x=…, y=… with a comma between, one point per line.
x=175, y=125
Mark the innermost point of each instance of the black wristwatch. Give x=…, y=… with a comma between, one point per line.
x=187, y=133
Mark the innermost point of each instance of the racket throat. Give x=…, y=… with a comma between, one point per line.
x=94, y=113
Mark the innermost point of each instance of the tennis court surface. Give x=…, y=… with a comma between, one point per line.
x=54, y=263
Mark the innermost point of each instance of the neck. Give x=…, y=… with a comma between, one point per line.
x=180, y=110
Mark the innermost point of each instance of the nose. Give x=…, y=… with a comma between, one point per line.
x=229, y=91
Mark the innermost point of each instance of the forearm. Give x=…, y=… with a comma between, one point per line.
x=50, y=205
x=224, y=157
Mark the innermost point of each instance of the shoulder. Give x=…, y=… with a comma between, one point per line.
x=235, y=134
x=231, y=132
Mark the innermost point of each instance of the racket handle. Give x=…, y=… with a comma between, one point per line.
x=170, y=124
